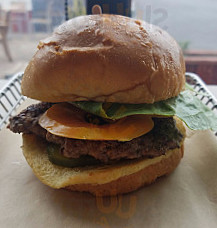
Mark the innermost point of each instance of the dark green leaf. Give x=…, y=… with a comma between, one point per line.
x=186, y=106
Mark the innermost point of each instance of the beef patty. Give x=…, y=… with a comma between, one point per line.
x=162, y=137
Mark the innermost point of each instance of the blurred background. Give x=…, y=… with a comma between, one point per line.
x=23, y=23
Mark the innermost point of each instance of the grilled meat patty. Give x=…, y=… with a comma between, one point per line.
x=162, y=137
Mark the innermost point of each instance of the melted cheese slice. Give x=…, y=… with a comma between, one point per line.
x=65, y=120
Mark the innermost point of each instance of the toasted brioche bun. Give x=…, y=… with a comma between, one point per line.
x=105, y=58
x=104, y=180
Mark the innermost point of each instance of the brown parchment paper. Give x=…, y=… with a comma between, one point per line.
x=186, y=198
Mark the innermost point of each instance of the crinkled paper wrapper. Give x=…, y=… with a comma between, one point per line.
x=186, y=198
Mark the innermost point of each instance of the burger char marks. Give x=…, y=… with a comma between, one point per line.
x=164, y=136
x=27, y=120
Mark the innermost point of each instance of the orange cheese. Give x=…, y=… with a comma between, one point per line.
x=65, y=120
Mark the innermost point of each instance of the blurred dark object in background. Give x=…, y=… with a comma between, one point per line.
x=121, y=7
x=203, y=63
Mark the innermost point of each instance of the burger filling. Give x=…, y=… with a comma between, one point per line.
x=163, y=136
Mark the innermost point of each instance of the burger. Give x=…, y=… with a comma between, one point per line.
x=112, y=106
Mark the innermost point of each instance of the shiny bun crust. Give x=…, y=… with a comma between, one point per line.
x=102, y=180
x=105, y=58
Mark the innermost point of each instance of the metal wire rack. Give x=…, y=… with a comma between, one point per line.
x=11, y=97
x=203, y=93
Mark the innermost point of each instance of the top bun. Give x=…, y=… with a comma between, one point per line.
x=105, y=58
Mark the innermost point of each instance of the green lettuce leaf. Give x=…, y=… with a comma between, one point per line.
x=186, y=106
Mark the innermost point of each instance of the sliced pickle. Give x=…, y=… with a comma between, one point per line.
x=57, y=158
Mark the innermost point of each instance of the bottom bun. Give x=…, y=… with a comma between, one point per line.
x=101, y=180
x=135, y=180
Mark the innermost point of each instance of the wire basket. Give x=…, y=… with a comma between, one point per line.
x=203, y=92
x=11, y=97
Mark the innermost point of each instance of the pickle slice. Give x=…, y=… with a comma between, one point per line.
x=57, y=158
